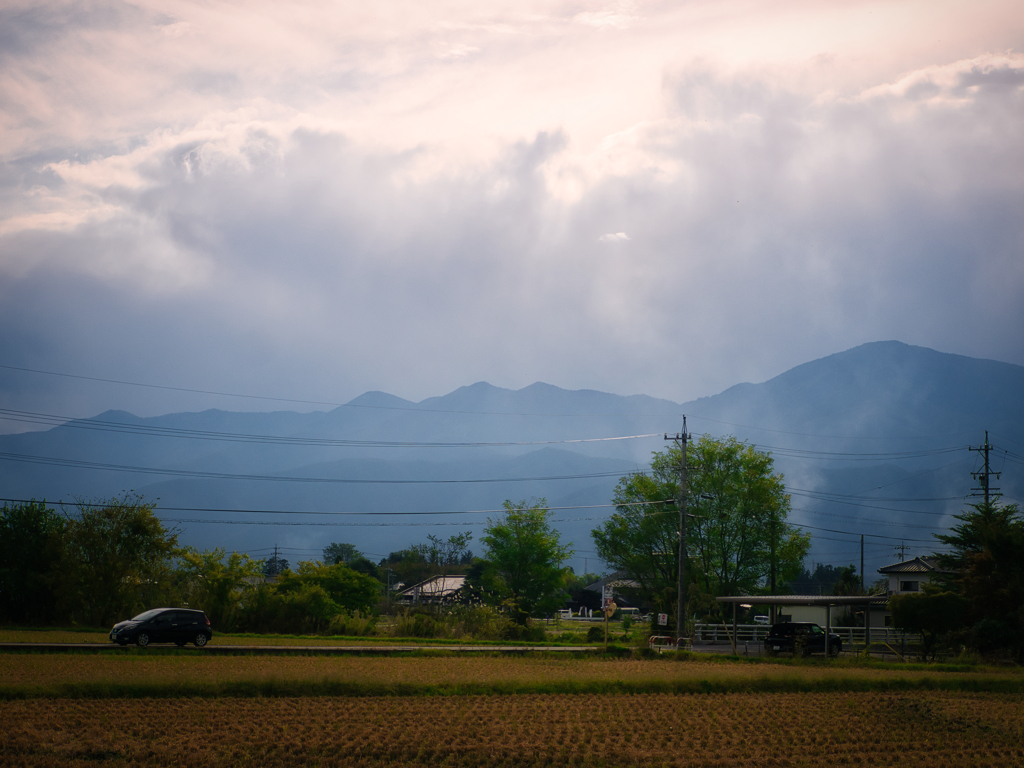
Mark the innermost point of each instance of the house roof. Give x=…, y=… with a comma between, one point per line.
x=438, y=586
x=917, y=565
x=617, y=580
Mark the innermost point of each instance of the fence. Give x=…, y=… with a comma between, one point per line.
x=755, y=633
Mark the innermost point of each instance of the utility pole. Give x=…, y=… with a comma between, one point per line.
x=773, y=534
x=862, y=562
x=902, y=549
x=681, y=597
x=985, y=473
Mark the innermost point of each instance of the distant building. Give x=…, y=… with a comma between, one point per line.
x=909, y=576
x=434, y=591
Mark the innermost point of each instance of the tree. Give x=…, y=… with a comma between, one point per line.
x=524, y=558
x=447, y=555
x=986, y=564
x=274, y=565
x=30, y=555
x=217, y=583
x=739, y=508
x=408, y=566
x=437, y=557
x=320, y=592
x=847, y=584
x=825, y=580
x=931, y=613
x=341, y=553
x=117, y=560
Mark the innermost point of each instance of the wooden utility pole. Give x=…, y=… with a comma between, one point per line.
x=772, y=608
x=681, y=438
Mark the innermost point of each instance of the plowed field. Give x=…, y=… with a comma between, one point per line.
x=868, y=729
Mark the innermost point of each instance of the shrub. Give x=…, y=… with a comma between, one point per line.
x=353, y=624
x=409, y=624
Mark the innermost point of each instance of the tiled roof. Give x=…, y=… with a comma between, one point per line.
x=917, y=565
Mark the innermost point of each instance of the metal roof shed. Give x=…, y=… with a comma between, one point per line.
x=823, y=600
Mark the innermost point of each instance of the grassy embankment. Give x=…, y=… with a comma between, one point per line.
x=192, y=672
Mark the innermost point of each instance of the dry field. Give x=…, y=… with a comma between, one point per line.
x=191, y=708
x=926, y=729
x=194, y=672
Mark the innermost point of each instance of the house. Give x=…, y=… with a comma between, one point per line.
x=438, y=590
x=910, y=576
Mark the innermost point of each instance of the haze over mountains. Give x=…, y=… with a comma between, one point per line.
x=873, y=441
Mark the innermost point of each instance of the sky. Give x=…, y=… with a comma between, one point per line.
x=312, y=200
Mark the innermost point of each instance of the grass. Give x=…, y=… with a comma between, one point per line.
x=101, y=637
x=140, y=673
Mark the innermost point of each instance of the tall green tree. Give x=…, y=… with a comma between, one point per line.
x=31, y=542
x=117, y=560
x=932, y=614
x=341, y=552
x=986, y=567
x=524, y=562
x=217, y=583
x=737, y=530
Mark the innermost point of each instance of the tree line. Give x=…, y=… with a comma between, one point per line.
x=99, y=563
x=977, y=600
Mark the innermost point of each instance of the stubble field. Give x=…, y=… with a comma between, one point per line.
x=192, y=709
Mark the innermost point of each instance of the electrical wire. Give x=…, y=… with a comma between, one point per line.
x=79, y=464
x=343, y=514
x=412, y=407
x=236, y=437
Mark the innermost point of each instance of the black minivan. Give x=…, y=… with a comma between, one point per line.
x=164, y=625
x=800, y=637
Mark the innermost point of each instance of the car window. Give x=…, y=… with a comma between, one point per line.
x=147, y=615
x=816, y=630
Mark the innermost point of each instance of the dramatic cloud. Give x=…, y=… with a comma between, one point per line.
x=312, y=201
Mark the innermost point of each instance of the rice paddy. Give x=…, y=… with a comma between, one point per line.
x=190, y=708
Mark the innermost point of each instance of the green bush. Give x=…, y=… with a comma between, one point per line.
x=474, y=622
x=421, y=625
x=529, y=632
x=353, y=625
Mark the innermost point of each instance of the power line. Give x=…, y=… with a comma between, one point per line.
x=342, y=514
x=198, y=434
x=79, y=464
x=412, y=407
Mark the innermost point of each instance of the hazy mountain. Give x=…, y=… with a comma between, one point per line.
x=886, y=423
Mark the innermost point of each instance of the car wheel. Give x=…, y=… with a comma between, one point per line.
x=834, y=649
x=200, y=640
x=142, y=639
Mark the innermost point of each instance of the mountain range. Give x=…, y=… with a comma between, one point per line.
x=876, y=440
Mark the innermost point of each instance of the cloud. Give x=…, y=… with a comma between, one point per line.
x=328, y=216
x=620, y=16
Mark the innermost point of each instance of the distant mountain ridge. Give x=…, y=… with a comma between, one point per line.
x=885, y=422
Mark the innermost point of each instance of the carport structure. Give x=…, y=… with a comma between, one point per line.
x=826, y=601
